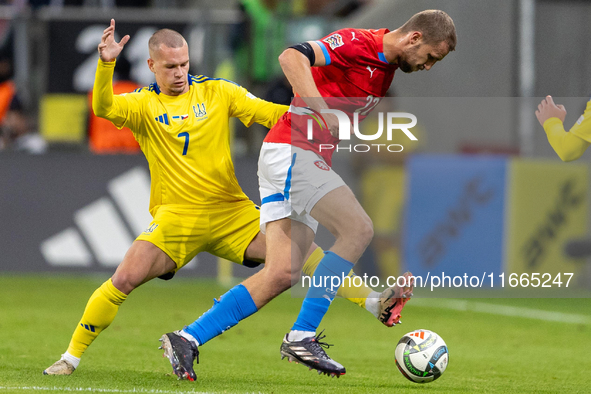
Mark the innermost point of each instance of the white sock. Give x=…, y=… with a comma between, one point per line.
x=372, y=303
x=297, y=335
x=188, y=337
x=75, y=361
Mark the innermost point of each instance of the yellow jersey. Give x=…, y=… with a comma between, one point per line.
x=185, y=138
x=582, y=128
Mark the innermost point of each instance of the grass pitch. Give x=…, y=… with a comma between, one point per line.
x=488, y=352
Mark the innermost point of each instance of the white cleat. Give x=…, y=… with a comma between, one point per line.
x=60, y=367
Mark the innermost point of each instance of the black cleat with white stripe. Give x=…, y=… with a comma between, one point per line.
x=310, y=352
x=181, y=353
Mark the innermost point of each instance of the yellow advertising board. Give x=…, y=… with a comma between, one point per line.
x=547, y=207
x=63, y=117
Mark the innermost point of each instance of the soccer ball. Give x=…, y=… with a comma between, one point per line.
x=421, y=356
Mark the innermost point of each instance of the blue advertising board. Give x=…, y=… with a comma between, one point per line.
x=454, y=215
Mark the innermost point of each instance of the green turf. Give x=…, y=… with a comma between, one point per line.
x=488, y=353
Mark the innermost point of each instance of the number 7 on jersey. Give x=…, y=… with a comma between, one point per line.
x=186, y=147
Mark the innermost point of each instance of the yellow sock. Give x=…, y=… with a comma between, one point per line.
x=98, y=315
x=355, y=294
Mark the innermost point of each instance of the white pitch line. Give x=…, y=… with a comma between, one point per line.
x=503, y=310
x=98, y=390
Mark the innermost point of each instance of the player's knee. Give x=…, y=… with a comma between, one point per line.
x=125, y=281
x=360, y=234
x=295, y=277
x=281, y=278
x=284, y=280
x=366, y=231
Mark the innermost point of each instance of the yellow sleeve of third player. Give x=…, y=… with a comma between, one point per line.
x=116, y=108
x=582, y=128
x=568, y=146
x=251, y=109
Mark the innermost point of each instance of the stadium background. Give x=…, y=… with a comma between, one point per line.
x=478, y=102
x=72, y=208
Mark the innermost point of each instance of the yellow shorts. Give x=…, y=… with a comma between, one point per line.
x=222, y=229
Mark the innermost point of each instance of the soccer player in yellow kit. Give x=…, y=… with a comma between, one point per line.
x=568, y=145
x=181, y=124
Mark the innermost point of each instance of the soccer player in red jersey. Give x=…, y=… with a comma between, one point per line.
x=298, y=187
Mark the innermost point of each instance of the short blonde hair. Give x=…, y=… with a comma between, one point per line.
x=435, y=25
x=166, y=37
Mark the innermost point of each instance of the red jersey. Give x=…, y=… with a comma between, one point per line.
x=355, y=68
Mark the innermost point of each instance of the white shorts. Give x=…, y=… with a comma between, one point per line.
x=291, y=182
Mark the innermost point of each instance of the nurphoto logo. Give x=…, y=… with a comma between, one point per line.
x=345, y=123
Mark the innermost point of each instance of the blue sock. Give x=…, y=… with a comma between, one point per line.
x=319, y=295
x=235, y=305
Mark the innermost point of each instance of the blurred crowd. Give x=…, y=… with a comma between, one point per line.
x=265, y=28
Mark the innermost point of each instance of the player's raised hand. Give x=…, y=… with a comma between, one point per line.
x=109, y=49
x=547, y=109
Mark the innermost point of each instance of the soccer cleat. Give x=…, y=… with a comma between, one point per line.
x=181, y=353
x=310, y=352
x=393, y=299
x=60, y=367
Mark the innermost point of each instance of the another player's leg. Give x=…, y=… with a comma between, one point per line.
x=237, y=238
x=385, y=306
x=182, y=353
x=288, y=242
x=143, y=262
x=253, y=293
x=388, y=305
x=358, y=294
x=98, y=315
x=208, y=326
x=181, y=346
x=342, y=215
